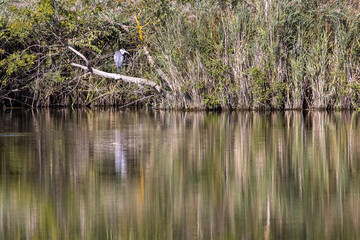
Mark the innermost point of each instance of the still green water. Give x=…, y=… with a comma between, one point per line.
x=168, y=175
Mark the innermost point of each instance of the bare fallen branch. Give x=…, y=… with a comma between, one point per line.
x=163, y=76
x=79, y=54
x=139, y=81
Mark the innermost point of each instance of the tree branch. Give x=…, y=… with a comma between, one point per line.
x=139, y=81
x=163, y=76
x=79, y=54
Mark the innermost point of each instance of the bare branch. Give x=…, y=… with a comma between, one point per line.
x=163, y=76
x=139, y=81
x=79, y=54
x=75, y=51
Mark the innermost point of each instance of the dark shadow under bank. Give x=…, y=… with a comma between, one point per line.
x=159, y=102
x=164, y=101
x=134, y=107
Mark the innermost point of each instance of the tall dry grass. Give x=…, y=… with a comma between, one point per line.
x=261, y=54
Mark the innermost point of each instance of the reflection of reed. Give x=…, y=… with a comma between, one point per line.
x=184, y=175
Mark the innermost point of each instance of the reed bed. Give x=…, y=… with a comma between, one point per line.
x=217, y=54
x=263, y=55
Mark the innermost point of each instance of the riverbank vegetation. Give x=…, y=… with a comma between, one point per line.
x=217, y=54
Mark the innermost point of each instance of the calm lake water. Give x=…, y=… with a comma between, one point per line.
x=111, y=174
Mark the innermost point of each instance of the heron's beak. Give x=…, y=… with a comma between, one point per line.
x=127, y=52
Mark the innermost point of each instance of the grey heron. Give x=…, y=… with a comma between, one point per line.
x=119, y=57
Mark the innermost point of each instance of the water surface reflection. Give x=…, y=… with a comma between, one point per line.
x=169, y=175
